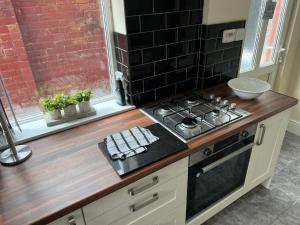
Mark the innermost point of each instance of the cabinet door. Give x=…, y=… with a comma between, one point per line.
x=268, y=141
x=74, y=218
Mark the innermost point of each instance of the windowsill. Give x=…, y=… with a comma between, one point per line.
x=36, y=129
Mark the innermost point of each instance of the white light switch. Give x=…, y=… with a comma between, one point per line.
x=229, y=36
x=240, y=34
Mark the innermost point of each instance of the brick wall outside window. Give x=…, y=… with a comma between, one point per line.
x=49, y=47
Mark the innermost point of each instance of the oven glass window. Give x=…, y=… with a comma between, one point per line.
x=204, y=189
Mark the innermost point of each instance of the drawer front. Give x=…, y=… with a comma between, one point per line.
x=74, y=218
x=163, y=217
x=163, y=199
x=135, y=190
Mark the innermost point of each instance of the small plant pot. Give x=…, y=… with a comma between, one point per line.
x=84, y=107
x=70, y=111
x=55, y=115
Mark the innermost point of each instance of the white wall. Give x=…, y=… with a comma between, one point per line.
x=118, y=13
x=221, y=11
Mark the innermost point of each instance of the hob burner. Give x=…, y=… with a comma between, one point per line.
x=189, y=122
x=191, y=101
x=165, y=109
x=215, y=112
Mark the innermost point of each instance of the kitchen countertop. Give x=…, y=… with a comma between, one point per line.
x=68, y=171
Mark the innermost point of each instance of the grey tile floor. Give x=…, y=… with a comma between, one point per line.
x=278, y=206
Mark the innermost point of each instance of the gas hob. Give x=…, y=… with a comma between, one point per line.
x=194, y=115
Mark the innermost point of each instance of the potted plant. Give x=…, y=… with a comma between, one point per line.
x=52, y=106
x=83, y=98
x=69, y=103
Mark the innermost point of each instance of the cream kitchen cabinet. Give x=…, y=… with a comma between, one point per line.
x=268, y=141
x=152, y=197
x=74, y=218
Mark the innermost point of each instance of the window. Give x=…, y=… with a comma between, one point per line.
x=51, y=47
x=263, y=39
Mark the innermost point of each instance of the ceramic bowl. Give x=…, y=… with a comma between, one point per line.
x=248, y=88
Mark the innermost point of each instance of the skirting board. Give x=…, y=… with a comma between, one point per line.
x=294, y=127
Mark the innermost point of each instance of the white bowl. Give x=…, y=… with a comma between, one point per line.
x=248, y=88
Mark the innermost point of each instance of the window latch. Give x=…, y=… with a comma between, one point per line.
x=270, y=9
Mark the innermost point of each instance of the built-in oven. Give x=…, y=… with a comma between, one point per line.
x=218, y=170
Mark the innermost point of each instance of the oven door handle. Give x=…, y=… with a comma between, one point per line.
x=226, y=158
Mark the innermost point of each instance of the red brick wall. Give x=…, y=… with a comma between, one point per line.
x=65, y=44
x=14, y=65
x=49, y=47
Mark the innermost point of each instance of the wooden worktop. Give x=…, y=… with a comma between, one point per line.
x=67, y=170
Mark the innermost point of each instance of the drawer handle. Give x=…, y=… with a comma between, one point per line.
x=71, y=220
x=135, y=191
x=262, y=128
x=138, y=206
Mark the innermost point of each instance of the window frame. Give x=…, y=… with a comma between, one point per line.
x=105, y=106
x=270, y=70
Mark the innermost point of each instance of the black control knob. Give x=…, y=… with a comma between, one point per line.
x=207, y=152
x=244, y=133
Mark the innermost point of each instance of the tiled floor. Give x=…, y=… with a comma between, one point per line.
x=278, y=206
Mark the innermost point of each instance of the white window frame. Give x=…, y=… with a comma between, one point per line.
x=104, y=106
x=271, y=70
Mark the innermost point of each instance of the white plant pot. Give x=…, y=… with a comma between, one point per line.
x=55, y=115
x=84, y=107
x=70, y=111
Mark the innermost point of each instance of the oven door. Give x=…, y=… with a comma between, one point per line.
x=216, y=177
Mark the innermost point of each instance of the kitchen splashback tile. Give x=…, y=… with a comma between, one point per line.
x=136, y=7
x=166, y=5
x=188, y=33
x=133, y=24
x=153, y=22
x=178, y=19
x=167, y=49
x=140, y=40
x=154, y=54
x=165, y=36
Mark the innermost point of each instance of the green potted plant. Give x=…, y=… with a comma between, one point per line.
x=69, y=103
x=52, y=105
x=83, y=98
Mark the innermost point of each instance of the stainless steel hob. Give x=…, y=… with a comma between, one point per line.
x=194, y=115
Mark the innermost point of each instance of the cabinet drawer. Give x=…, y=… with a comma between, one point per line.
x=75, y=217
x=135, y=190
x=163, y=216
x=163, y=199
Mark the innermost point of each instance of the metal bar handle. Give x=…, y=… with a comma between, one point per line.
x=71, y=220
x=262, y=128
x=136, y=207
x=226, y=158
x=135, y=191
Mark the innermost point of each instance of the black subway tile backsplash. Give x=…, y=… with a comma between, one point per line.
x=167, y=49
x=153, y=22
x=176, y=76
x=187, y=60
x=161, y=6
x=137, y=7
x=135, y=57
x=140, y=40
x=141, y=71
x=154, y=82
x=177, y=49
x=163, y=37
x=165, y=66
x=178, y=19
x=154, y=54
x=133, y=24
x=188, y=33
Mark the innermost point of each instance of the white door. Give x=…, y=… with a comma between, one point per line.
x=263, y=47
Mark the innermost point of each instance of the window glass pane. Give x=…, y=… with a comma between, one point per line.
x=51, y=47
x=273, y=36
x=254, y=27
